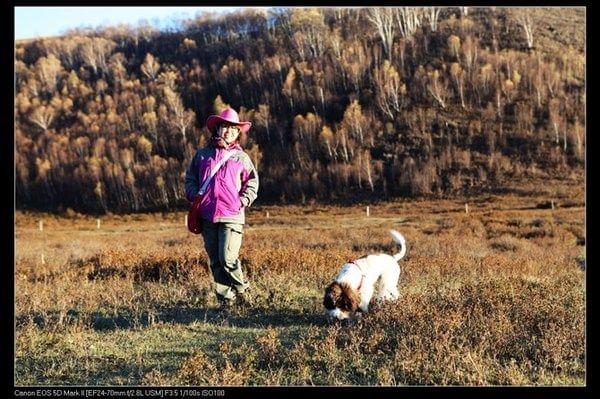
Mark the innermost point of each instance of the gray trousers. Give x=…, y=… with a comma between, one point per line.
x=222, y=242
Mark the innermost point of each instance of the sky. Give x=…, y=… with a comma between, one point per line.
x=32, y=22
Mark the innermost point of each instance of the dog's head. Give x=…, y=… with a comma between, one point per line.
x=340, y=300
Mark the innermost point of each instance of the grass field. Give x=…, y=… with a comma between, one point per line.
x=495, y=296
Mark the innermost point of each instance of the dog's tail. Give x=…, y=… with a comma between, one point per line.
x=400, y=240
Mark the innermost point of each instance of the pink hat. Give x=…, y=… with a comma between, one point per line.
x=228, y=115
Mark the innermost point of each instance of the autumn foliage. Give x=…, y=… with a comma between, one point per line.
x=345, y=103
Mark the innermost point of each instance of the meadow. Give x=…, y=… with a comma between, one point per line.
x=493, y=292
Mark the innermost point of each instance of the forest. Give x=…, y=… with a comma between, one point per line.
x=346, y=104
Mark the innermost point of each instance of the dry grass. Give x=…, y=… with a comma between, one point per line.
x=492, y=297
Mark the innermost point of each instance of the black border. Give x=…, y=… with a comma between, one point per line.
x=8, y=219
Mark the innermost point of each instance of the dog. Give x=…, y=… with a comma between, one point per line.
x=354, y=286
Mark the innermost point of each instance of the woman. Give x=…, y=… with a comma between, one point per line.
x=232, y=189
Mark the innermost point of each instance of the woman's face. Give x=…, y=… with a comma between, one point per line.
x=228, y=132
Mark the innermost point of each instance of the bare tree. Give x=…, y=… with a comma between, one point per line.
x=355, y=122
x=524, y=18
x=437, y=88
x=555, y=118
x=432, y=14
x=47, y=71
x=389, y=88
x=454, y=45
x=552, y=77
x=169, y=78
x=305, y=131
x=354, y=63
x=180, y=118
x=335, y=42
x=470, y=54
x=116, y=69
x=458, y=78
x=408, y=19
x=365, y=161
x=150, y=67
x=485, y=82
x=536, y=68
x=43, y=116
x=95, y=51
x=64, y=48
x=143, y=31
x=309, y=32
x=383, y=20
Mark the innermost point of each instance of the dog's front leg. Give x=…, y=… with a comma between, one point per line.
x=365, y=299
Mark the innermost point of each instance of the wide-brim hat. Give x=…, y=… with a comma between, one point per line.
x=228, y=115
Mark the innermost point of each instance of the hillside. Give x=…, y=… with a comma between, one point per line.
x=346, y=104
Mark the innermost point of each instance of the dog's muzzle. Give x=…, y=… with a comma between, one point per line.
x=337, y=314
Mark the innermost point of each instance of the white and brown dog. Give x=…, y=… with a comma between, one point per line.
x=353, y=288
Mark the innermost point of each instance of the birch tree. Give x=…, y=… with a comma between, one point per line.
x=179, y=117
x=47, y=71
x=432, y=14
x=383, y=21
x=437, y=88
x=43, y=116
x=95, y=52
x=554, y=117
x=389, y=89
x=150, y=67
x=458, y=78
x=525, y=20
x=408, y=19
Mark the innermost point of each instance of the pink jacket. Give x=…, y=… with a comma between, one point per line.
x=233, y=188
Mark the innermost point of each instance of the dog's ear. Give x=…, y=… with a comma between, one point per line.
x=330, y=296
x=349, y=299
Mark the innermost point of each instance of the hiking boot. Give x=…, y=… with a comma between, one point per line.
x=245, y=298
x=226, y=303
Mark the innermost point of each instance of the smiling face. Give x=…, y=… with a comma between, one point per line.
x=340, y=300
x=228, y=132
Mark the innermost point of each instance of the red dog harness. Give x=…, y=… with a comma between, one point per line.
x=362, y=274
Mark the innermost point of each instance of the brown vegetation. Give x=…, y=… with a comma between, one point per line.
x=492, y=296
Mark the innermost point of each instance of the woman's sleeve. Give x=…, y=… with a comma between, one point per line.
x=192, y=184
x=249, y=190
